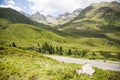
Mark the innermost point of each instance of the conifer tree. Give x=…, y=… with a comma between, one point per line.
x=69, y=52
x=13, y=44
x=60, y=50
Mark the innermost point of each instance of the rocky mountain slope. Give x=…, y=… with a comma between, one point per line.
x=101, y=10
x=66, y=17
x=103, y=16
x=38, y=17
x=101, y=20
x=51, y=20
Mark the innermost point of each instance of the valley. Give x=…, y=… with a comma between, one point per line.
x=92, y=33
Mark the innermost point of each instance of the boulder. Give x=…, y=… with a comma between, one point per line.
x=86, y=69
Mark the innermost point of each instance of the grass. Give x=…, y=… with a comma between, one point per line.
x=91, y=34
x=8, y=14
x=26, y=65
x=27, y=35
x=84, y=34
x=24, y=35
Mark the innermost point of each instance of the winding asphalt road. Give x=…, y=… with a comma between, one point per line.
x=108, y=65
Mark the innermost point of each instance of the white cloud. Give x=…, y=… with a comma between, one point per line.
x=52, y=6
x=11, y=4
x=85, y=3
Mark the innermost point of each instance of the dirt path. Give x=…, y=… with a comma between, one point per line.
x=108, y=65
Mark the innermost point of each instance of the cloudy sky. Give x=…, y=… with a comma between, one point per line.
x=48, y=7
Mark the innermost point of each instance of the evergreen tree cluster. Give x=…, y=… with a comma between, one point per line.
x=47, y=48
x=12, y=45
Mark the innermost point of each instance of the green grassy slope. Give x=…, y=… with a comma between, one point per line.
x=106, y=10
x=27, y=35
x=97, y=23
x=28, y=65
x=15, y=27
x=79, y=35
x=14, y=16
x=91, y=38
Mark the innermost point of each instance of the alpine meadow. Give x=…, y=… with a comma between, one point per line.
x=89, y=34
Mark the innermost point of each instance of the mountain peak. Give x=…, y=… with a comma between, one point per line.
x=78, y=10
x=37, y=12
x=49, y=19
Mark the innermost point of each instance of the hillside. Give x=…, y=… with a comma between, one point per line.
x=25, y=44
x=99, y=20
x=103, y=13
x=14, y=16
x=28, y=65
x=15, y=27
x=105, y=10
x=82, y=37
x=27, y=35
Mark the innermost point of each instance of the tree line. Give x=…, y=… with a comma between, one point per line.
x=50, y=49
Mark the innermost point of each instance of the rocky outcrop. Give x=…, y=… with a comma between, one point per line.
x=66, y=17
x=61, y=19
x=38, y=17
x=86, y=69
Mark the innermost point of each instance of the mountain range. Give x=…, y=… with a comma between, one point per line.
x=51, y=20
x=27, y=43
x=93, y=29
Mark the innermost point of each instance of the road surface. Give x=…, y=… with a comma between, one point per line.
x=108, y=65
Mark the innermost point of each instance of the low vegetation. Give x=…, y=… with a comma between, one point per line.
x=83, y=54
x=93, y=34
x=29, y=37
x=28, y=65
x=79, y=38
